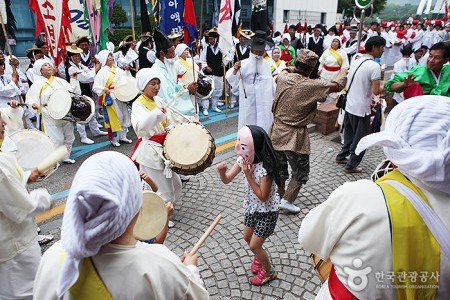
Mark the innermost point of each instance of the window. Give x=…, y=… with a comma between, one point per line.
x=323, y=18
x=286, y=16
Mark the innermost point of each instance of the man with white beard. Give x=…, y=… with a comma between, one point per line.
x=256, y=86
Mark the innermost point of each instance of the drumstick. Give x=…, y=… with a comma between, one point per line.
x=205, y=235
x=54, y=157
x=178, y=113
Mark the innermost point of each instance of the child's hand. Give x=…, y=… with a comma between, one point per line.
x=248, y=167
x=221, y=168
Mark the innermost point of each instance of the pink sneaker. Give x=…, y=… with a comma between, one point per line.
x=256, y=266
x=262, y=277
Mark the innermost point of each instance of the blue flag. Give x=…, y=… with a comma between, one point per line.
x=172, y=16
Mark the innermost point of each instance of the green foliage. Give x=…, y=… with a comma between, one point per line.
x=119, y=15
x=349, y=5
x=394, y=12
x=118, y=36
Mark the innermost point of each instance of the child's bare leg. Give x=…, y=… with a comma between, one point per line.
x=256, y=247
x=248, y=233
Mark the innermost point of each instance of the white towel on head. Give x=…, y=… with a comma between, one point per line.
x=37, y=66
x=417, y=140
x=180, y=49
x=102, y=56
x=144, y=76
x=105, y=196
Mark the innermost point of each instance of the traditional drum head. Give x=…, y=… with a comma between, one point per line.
x=12, y=117
x=127, y=90
x=33, y=146
x=59, y=104
x=82, y=109
x=205, y=87
x=152, y=216
x=190, y=148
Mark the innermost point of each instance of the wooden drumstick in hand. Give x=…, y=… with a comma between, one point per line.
x=205, y=235
x=54, y=157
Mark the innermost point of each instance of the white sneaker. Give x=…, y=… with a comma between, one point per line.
x=217, y=110
x=205, y=112
x=220, y=103
x=101, y=133
x=231, y=105
x=87, y=141
x=69, y=161
x=100, y=125
x=115, y=143
x=289, y=207
x=125, y=140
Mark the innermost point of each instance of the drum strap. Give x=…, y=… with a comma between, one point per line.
x=150, y=104
x=112, y=122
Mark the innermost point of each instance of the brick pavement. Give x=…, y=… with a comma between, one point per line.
x=224, y=260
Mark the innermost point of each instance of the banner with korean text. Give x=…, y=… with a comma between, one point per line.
x=53, y=16
x=172, y=16
x=80, y=24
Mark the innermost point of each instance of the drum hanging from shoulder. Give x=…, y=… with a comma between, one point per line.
x=33, y=146
x=82, y=110
x=205, y=87
x=59, y=103
x=126, y=90
x=190, y=147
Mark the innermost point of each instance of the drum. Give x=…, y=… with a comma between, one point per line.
x=190, y=148
x=33, y=146
x=82, y=110
x=205, y=87
x=127, y=89
x=322, y=267
x=152, y=216
x=59, y=104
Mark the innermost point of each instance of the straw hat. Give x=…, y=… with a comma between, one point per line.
x=72, y=48
x=247, y=33
x=173, y=35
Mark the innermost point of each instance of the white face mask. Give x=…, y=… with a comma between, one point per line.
x=169, y=60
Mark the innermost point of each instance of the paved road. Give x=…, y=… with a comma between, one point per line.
x=225, y=259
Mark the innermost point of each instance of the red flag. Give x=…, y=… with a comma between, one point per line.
x=286, y=30
x=305, y=27
x=299, y=27
x=190, y=23
x=341, y=31
x=53, y=16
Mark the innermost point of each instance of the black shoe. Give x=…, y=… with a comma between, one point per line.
x=341, y=161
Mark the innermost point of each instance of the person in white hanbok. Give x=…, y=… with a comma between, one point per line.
x=331, y=62
x=256, y=86
x=403, y=65
x=85, y=76
x=151, y=120
x=276, y=63
x=20, y=253
x=98, y=256
x=38, y=96
x=115, y=111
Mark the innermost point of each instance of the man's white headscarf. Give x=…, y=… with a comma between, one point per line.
x=102, y=56
x=37, y=66
x=180, y=49
x=286, y=36
x=144, y=76
x=105, y=196
x=417, y=140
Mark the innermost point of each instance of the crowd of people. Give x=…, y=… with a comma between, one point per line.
x=278, y=82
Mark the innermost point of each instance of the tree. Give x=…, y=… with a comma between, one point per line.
x=119, y=15
x=349, y=5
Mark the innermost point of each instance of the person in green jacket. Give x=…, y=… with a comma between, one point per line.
x=434, y=78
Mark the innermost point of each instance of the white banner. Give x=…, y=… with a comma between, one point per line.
x=80, y=25
x=51, y=12
x=224, y=28
x=3, y=11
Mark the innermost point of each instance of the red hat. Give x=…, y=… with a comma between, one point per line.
x=384, y=24
x=428, y=22
x=415, y=22
x=438, y=22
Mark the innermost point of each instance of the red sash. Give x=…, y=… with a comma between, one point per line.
x=337, y=290
x=157, y=138
x=331, y=69
x=413, y=90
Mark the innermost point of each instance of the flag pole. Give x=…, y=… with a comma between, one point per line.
x=132, y=20
x=201, y=19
